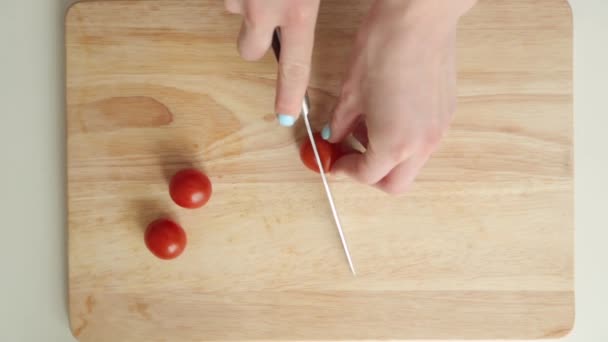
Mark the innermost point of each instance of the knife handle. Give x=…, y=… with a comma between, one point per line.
x=276, y=43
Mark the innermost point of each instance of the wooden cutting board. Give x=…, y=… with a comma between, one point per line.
x=481, y=247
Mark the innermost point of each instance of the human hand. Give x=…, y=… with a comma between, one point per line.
x=399, y=94
x=297, y=20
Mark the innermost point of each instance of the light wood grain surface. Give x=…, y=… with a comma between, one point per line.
x=482, y=246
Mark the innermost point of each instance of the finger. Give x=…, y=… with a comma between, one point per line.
x=368, y=168
x=400, y=179
x=345, y=118
x=234, y=6
x=254, y=39
x=294, y=69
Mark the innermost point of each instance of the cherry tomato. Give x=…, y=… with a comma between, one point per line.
x=190, y=188
x=165, y=238
x=327, y=152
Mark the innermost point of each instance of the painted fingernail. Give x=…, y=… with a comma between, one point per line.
x=286, y=120
x=326, y=132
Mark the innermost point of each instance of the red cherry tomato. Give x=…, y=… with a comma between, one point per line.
x=190, y=188
x=165, y=239
x=327, y=152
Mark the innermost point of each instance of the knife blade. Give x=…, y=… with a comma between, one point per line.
x=276, y=47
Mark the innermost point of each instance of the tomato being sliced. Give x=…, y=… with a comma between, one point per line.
x=190, y=188
x=165, y=238
x=328, y=153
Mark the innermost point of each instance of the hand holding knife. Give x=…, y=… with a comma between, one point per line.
x=276, y=47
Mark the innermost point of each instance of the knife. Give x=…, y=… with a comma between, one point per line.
x=276, y=47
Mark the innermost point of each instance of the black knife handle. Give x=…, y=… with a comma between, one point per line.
x=276, y=44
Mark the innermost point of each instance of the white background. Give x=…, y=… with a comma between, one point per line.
x=33, y=272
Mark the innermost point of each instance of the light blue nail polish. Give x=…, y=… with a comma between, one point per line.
x=326, y=132
x=286, y=120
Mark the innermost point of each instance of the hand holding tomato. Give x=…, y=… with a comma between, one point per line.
x=399, y=94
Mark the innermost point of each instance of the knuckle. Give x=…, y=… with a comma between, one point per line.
x=360, y=172
x=399, y=150
x=366, y=179
x=294, y=72
x=253, y=19
x=248, y=48
x=339, y=117
x=433, y=136
x=256, y=17
x=347, y=93
x=396, y=188
x=396, y=184
x=248, y=53
x=288, y=104
x=233, y=6
x=301, y=14
x=366, y=172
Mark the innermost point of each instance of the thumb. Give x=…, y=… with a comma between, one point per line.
x=345, y=118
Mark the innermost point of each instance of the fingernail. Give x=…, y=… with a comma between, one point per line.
x=326, y=132
x=286, y=120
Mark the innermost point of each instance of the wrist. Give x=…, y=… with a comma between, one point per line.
x=437, y=20
x=431, y=16
x=449, y=10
